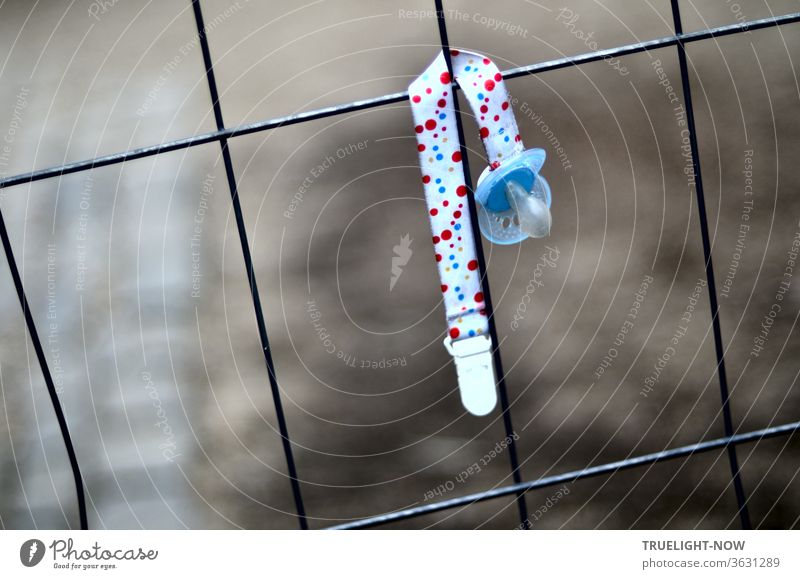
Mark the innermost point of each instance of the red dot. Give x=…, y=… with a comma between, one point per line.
x=430, y=124
x=416, y=98
x=484, y=109
x=426, y=178
x=505, y=105
x=472, y=265
x=461, y=191
x=483, y=312
x=484, y=132
x=445, y=78
x=434, y=211
x=454, y=333
x=438, y=257
x=486, y=61
x=442, y=103
x=457, y=214
x=444, y=288
x=445, y=203
x=517, y=138
x=454, y=53
x=436, y=239
x=420, y=148
x=479, y=297
x=428, y=91
x=419, y=128
x=489, y=84
x=495, y=165
x=457, y=156
x=447, y=234
x=496, y=118
x=498, y=77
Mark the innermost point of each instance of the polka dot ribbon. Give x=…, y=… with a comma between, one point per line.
x=443, y=175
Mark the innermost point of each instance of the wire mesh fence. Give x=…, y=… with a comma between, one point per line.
x=732, y=437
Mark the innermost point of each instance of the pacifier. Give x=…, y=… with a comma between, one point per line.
x=513, y=203
x=513, y=200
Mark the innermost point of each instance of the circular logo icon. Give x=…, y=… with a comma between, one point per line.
x=31, y=552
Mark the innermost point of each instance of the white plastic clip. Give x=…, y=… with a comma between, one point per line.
x=476, y=379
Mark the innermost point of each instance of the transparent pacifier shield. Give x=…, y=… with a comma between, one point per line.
x=501, y=228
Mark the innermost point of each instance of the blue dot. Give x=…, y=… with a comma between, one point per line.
x=438, y=181
x=467, y=68
x=472, y=332
x=436, y=148
x=442, y=189
x=457, y=226
x=502, y=130
x=507, y=139
x=442, y=115
x=458, y=288
x=455, y=266
x=480, y=95
x=439, y=157
x=452, y=257
x=461, y=296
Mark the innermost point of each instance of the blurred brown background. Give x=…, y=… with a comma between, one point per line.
x=136, y=281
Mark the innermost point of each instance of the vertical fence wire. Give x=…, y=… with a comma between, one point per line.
x=251, y=275
x=736, y=477
x=516, y=471
x=48, y=377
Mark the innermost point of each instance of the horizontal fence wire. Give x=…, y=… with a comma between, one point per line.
x=222, y=134
x=572, y=476
x=248, y=129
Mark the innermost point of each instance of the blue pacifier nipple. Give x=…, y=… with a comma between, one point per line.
x=514, y=200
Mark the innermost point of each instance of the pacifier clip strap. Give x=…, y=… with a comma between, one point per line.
x=445, y=193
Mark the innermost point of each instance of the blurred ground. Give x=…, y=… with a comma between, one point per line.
x=135, y=276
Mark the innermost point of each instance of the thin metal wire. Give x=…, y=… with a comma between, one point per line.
x=222, y=134
x=738, y=485
x=251, y=275
x=48, y=378
x=248, y=129
x=516, y=471
x=572, y=476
